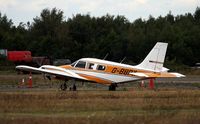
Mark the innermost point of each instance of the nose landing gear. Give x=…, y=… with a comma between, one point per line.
x=63, y=86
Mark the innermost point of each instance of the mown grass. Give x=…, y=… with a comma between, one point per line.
x=172, y=106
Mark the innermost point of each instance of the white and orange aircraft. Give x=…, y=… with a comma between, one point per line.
x=107, y=72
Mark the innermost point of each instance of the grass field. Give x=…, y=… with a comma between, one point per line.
x=92, y=104
x=49, y=106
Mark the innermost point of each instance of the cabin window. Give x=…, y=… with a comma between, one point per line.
x=101, y=67
x=91, y=66
x=81, y=64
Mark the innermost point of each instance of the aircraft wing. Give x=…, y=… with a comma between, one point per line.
x=52, y=70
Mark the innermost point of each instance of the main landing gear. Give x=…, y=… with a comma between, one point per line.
x=112, y=87
x=73, y=88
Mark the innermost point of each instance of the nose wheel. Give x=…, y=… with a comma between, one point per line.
x=63, y=86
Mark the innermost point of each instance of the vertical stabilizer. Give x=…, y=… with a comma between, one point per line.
x=155, y=59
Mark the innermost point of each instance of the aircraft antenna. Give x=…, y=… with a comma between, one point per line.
x=105, y=56
x=123, y=59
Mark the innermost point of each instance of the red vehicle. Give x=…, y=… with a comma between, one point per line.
x=24, y=58
x=19, y=56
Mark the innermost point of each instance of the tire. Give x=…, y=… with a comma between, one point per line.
x=112, y=87
x=74, y=88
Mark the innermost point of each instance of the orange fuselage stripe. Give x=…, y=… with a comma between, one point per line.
x=117, y=70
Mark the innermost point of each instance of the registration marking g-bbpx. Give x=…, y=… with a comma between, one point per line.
x=123, y=71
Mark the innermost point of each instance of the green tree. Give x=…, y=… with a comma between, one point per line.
x=45, y=33
x=197, y=14
x=5, y=31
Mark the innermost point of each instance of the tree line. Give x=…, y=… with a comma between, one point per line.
x=50, y=34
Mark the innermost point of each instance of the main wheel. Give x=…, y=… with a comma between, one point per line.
x=112, y=87
x=74, y=87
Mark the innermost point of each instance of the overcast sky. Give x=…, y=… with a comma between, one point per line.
x=26, y=10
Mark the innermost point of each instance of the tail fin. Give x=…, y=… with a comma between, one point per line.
x=155, y=59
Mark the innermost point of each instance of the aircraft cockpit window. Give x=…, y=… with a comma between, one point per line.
x=101, y=67
x=81, y=64
x=73, y=64
x=91, y=66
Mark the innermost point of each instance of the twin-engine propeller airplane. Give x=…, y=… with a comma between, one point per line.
x=107, y=72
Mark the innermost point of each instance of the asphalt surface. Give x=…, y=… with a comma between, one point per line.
x=189, y=82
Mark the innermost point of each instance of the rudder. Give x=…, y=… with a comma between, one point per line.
x=155, y=59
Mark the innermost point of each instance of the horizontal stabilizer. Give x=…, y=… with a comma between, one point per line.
x=177, y=74
x=139, y=74
x=156, y=75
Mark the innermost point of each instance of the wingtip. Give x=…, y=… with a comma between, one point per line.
x=20, y=66
x=17, y=67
